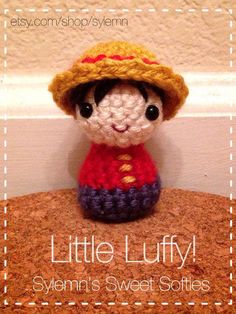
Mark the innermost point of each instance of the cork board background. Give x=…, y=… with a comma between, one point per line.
x=34, y=218
x=200, y=44
x=191, y=36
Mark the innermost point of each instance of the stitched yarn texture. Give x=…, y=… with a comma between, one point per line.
x=122, y=60
x=117, y=205
x=119, y=93
x=118, y=184
x=102, y=168
x=122, y=108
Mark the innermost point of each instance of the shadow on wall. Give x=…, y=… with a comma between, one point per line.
x=72, y=148
x=77, y=155
x=167, y=157
x=67, y=157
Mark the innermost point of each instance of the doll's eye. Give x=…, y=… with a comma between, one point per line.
x=152, y=112
x=85, y=109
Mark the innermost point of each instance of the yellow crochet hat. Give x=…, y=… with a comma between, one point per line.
x=123, y=60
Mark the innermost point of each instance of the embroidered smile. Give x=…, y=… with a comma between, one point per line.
x=120, y=130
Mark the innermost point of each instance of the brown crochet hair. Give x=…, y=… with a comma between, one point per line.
x=102, y=87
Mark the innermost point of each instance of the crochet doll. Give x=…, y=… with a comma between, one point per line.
x=119, y=93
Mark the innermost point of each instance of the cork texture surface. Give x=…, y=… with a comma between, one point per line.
x=33, y=219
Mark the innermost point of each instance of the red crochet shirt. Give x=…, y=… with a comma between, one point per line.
x=114, y=167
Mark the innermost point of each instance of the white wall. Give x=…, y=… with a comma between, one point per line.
x=191, y=153
x=44, y=147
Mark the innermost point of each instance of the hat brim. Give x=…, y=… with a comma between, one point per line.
x=173, y=85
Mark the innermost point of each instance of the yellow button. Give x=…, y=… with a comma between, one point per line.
x=128, y=179
x=124, y=157
x=125, y=167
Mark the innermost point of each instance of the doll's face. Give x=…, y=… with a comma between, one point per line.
x=125, y=116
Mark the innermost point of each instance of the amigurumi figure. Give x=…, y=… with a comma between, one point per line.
x=119, y=93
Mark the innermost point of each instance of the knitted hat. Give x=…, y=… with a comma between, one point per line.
x=118, y=59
